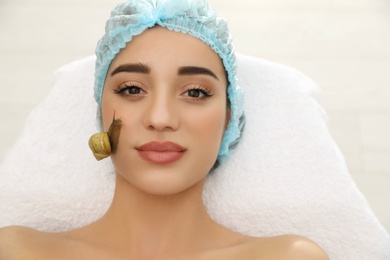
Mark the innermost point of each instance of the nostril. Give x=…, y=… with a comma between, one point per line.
x=161, y=114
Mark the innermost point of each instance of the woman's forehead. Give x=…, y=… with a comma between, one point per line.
x=159, y=45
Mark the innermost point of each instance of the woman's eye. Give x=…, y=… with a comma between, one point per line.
x=133, y=90
x=197, y=93
x=130, y=91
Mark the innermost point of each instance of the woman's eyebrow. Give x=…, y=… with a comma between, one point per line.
x=131, y=67
x=194, y=70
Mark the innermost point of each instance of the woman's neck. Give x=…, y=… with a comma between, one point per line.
x=152, y=224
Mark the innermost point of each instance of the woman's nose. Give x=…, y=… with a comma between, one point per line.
x=161, y=114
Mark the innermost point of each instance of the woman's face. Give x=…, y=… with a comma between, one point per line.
x=169, y=91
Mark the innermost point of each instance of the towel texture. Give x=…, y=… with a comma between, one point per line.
x=287, y=175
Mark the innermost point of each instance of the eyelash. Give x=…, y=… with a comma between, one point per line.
x=130, y=85
x=205, y=91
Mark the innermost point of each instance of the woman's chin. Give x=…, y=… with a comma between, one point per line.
x=161, y=183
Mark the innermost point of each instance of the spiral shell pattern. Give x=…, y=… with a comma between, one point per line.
x=100, y=145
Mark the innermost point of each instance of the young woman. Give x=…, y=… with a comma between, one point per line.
x=165, y=72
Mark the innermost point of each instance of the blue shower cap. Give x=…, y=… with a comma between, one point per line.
x=194, y=17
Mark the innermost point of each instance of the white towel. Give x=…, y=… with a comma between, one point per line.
x=287, y=175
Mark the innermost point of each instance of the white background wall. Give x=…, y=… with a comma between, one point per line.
x=344, y=45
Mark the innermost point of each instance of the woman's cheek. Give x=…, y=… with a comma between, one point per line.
x=212, y=124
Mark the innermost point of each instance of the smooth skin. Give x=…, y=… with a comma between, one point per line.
x=157, y=211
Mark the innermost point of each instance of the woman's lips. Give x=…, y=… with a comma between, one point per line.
x=156, y=152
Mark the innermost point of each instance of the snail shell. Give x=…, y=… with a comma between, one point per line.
x=100, y=145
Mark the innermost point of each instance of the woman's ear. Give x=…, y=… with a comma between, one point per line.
x=228, y=116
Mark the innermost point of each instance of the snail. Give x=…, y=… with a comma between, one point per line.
x=100, y=145
x=104, y=144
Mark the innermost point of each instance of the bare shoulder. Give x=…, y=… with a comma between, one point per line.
x=18, y=242
x=15, y=241
x=287, y=247
x=303, y=248
x=24, y=243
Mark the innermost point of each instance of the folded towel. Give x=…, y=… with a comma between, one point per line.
x=287, y=175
